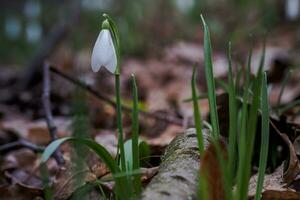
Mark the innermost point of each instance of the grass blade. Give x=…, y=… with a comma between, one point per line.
x=243, y=116
x=243, y=123
x=243, y=179
x=210, y=81
x=197, y=113
x=264, y=139
x=135, y=137
x=232, y=118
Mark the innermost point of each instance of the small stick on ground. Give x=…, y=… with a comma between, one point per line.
x=48, y=113
x=20, y=144
x=163, y=117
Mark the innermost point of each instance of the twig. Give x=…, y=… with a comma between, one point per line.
x=166, y=118
x=21, y=144
x=48, y=114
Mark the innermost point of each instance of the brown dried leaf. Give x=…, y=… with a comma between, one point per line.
x=210, y=168
x=293, y=165
x=274, y=187
x=37, y=131
x=280, y=195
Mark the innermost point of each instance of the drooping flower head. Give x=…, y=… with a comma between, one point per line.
x=106, y=49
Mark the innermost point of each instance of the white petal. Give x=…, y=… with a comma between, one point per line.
x=104, y=53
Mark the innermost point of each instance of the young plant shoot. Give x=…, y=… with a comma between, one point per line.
x=106, y=53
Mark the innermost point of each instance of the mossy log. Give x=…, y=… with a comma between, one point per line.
x=178, y=172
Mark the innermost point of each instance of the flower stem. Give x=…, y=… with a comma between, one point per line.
x=119, y=121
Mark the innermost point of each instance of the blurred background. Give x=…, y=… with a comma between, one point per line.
x=145, y=26
x=160, y=41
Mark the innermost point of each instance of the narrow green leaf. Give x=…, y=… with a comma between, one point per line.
x=264, y=147
x=251, y=131
x=51, y=148
x=197, y=112
x=135, y=137
x=135, y=126
x=144, y=152
x=210, y=81
x=243, y=126
x=232, y=119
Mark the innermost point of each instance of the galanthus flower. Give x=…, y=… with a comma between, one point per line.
x=104, y=52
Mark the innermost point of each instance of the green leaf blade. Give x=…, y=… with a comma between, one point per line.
x=232, y=118
x=264, y=139
x=210, y=81
x=244, y=175
x=135, y=137
x=197, y=112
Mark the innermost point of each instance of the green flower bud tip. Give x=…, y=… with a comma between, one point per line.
x=105, y=24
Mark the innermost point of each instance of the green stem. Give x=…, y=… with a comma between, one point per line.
x=264, y=147
x=135, y=138
x=197, y=113
x=119, y=122
x=232, y=119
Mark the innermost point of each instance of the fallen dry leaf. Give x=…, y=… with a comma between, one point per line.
x=274, y=187
x=210, y=169
x=37, y=131
x=293, y=165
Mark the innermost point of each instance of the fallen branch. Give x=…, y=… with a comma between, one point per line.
x=20, y=144
x=178, y=171
x=166, y=118
x=48, y=113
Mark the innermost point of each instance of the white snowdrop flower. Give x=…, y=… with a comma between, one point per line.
x=104, y=52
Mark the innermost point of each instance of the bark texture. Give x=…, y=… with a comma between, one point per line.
x=179, y=169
